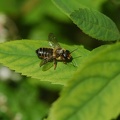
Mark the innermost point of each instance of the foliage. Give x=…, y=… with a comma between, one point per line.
x=19, y=101
x=88, y=95
x=96, y=24
x=90, y=89
x=22, y=57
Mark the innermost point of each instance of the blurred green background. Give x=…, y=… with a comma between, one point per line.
x=23, y=98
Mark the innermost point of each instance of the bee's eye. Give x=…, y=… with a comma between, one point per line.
x=66, y=54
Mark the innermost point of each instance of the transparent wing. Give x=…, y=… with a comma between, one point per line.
x=53, y=41
x=43, y=62
x=47, y=66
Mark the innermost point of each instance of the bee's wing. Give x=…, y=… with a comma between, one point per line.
x=53, y=41
x=47, y=66
x=46, y=63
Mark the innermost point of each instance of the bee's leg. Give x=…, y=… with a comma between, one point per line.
x=55, y=63
x=65, y=62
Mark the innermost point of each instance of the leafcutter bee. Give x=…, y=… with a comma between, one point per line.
x=50, y=56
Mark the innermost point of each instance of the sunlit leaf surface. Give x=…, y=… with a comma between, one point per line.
x=93, y=93
x=21, y=57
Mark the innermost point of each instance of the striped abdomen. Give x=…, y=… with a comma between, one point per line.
x=44, y=52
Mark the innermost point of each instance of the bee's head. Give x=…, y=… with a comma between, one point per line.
x=67, y=56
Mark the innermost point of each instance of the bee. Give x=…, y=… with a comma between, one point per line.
x=50, y=56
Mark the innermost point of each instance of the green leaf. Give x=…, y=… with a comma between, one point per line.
x=93, y=94
x=95, y=24
x=91, y=22
x=68, y=6
x=20, y=56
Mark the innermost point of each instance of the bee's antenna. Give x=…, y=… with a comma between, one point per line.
x=74, y=62
x=73, y=50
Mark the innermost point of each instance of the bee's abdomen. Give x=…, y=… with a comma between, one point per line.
x=44, y=52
